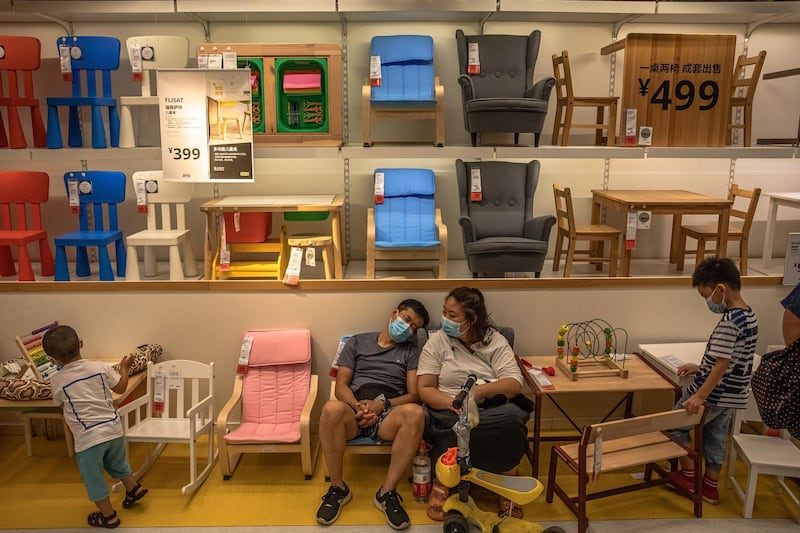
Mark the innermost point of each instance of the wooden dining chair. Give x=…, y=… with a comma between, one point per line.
x=19, y=57
x=567, y=102
x=747, y=83
x=595, y=234
x=737, y=231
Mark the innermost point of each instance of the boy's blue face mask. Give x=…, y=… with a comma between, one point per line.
x=715, y=307
x=451, y=328
x=399, y=330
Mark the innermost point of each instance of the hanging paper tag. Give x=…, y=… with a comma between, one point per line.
x=229, y=59
x=66, y=62
x=630, y=127
x=311, y=256
x=244, y=355
x=643, y=220
x=74, y=196
x=374, y=71
x=215, y=61
x=335, y=364
x=292, y=276
x=630, y=230
x=136, y=62
x=475, y=188
x=202, y=60
x=224, y=252
x=237, y=224
x=141, y=197
x=378, y=188
x=174, y=380
x=159, y=392
x=473, y=59
x=597, y=465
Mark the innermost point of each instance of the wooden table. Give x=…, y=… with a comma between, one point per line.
x=47, y=409
x=776, y=199
x=275, y=204
x=641, y=377
x=664, y=202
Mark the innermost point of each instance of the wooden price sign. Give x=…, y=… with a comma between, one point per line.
x=679, y=85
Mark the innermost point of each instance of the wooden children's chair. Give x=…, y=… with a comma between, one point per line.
x=91, y=55
x=747, y=84
x=21, y=194
x=166, y=226
x=98, y=192
x=19, y=57
x=155, y=51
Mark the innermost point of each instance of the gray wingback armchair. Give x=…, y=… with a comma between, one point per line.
x=500, y=232
x=503, y=97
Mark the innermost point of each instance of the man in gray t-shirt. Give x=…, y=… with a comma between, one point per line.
x=376, y=396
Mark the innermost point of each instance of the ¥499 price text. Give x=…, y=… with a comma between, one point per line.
x=683, y=96
x=179, y=153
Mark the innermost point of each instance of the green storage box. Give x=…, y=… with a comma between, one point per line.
x=305, y=216
x=301, y=94
x=256, y=66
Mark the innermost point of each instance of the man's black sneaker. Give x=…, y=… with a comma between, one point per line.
x=332, y=503
x=389, y=503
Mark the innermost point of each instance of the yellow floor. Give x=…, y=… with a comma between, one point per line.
x=45, y=491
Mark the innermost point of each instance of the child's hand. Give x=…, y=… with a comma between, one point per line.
x=693, y=404
x=126, y=362
x=687, y=369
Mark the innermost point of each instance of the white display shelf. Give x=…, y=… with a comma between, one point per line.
x=417, y=151
x=296, y=152
x=90, y=10
x=260, y=10
x=722, y=152
x=571, y=10
x=725, y=12
x=569, y=152
x=414, y=10
x=94, y=154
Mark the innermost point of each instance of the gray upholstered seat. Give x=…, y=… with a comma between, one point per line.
x=499, y=230
x=502, y=97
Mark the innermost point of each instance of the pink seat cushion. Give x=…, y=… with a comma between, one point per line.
x=275, y=387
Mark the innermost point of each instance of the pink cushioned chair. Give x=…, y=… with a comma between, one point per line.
x=273, y=400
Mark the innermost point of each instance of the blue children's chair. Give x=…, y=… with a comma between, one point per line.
x=405, y=224
x=407, y=88
x=89, y=54
x=94, y=189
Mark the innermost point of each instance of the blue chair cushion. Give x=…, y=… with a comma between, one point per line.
x=406, y=71
x=407, y=216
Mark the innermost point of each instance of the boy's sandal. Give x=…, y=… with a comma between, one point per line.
x=439, y=493
x=508, y=508
x=98, y=519
x=133, y=496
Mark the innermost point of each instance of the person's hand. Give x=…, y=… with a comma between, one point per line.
x=365, y=417
x=450, y=406
x=693, y=404
x=687, y=370
x=126, y=362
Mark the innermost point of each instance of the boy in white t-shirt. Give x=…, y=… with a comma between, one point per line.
x=83, y=389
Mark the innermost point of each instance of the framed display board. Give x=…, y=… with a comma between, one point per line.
x=206, y=125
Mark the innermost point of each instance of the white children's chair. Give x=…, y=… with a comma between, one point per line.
x=156, y=51
x=166, y=226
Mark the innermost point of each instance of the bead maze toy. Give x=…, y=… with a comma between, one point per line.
x=592, y=347
x=31, y=346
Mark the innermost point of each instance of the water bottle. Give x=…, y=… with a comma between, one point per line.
x=421, y=474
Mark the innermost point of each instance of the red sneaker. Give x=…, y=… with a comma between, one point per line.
x=679, y=479
x=710, y=492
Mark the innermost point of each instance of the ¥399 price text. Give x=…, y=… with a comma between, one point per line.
x=179, y=153
x=683, y=96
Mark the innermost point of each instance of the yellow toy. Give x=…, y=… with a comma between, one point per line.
x=453, y=469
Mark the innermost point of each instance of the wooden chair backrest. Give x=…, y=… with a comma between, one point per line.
x=629, y=427
x=564, y=212
x=746, y=216
x=563, y=75
x=741, y=77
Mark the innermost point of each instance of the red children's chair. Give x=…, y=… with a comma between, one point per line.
x=21, y=193
x=19, y=57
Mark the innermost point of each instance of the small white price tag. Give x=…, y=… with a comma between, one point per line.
x=215, y=61
x=174, y=380
x=74, y=196
x=159, y=392
x=292, y=276
x=229, y=59
x=473, y=59
x=311, y=256
x=141, y=197
x=379, y=187
x=597, y=465
x=374, y=71
x=630, y=127
x=643, y=219
x=202, y=60
x=475, y=187
x=135, y=54
x=244, y=354
x=65, y=61
x=237, y=222
x=224, y=252
x=630, y=230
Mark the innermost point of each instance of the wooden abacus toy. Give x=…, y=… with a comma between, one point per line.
x=31, y=347
x=592, y=346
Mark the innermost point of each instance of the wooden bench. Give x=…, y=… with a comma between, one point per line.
x=631, y=442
